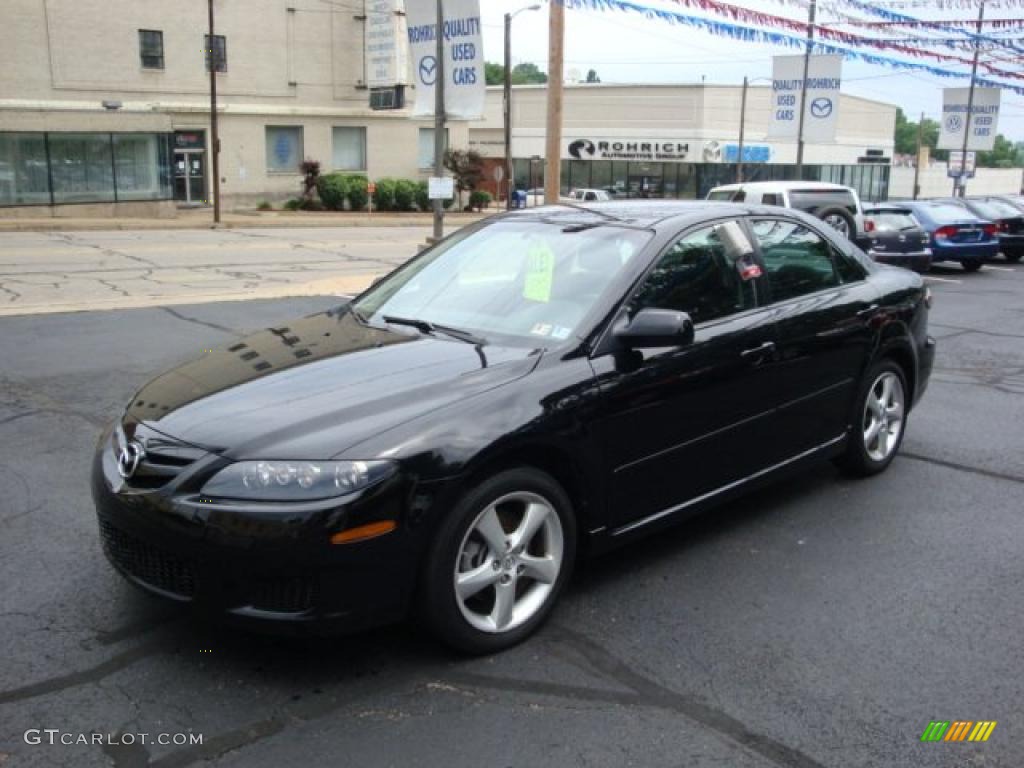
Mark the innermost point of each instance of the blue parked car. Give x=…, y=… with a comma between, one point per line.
x=956, y=234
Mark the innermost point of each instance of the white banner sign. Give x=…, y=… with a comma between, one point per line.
x=384, y=44
x=984, y=118
x=441, y=188
x=821, y=105
x=463, y=58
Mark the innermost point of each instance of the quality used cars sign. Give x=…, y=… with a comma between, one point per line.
x=821, y=106
x=463, y=69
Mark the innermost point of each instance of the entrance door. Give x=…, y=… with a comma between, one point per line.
x=190, y=177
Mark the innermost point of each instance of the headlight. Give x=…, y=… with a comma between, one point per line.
x=294, y=480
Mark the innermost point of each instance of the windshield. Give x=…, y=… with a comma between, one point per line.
x=520, y=281
x=892, y=221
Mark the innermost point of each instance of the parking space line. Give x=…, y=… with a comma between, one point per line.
x=1001, y=269
x=943, y=279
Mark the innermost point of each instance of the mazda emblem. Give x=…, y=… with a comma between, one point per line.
x=129, y=454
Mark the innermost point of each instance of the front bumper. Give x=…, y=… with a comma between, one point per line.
x=920, y=261
x=273, y=568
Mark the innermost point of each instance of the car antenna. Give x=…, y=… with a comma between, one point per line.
x=594, y=211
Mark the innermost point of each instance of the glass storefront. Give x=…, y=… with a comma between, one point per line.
x=689, y=181
x=57, y=168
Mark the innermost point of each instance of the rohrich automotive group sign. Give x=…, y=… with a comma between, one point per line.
x=640, y=150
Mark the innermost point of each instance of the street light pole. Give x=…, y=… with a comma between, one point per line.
x=439, y=120
x=509, y=180
x=917, y=160
x=743, y=122
x=214, y=133
x=803, y=91
x=961, y=180
x=553, y=138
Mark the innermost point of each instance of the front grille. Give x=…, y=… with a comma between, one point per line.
x=287, y=594
x=148, y=563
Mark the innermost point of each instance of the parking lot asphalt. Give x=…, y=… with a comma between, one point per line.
x=820, y=622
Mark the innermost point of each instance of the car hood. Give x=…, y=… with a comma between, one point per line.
x=317, y=386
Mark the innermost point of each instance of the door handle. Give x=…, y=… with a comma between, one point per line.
x=868, y=311
x=764, y=349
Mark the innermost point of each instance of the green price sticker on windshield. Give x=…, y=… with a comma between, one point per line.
x=540, y=272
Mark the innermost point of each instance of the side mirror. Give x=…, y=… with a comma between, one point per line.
x=656, y=328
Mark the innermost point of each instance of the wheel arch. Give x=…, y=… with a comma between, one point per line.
x=900, y=350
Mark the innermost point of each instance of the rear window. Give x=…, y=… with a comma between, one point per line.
x=724, y=195
x=892, y=221
x=996, y=209
x=946, y=213
x=812, y=199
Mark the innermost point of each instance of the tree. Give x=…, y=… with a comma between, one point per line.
x=906, y=136
x=522, y=74
x=1004, y=154
x=467, y=167
x=494, y=73
x=592, y=76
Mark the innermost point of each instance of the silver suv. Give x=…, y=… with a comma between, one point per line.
x=836, y=205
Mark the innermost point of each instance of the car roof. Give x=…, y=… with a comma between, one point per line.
x=785, y=185
x=644, y=213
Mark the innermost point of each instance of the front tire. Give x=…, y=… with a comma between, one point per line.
x=971, y=265
x=880, y=421
x=499, y=562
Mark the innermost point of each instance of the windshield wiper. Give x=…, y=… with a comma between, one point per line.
x=425, y=326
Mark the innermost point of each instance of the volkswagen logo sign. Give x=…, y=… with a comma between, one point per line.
x=129, y=454
x=954, y=123
x=581, y=146
x=821, y=107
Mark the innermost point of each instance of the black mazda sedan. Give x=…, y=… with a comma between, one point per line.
x=543, y=384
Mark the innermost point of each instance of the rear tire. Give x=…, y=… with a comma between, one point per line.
x=499, y=562
x=1013, y=256
x=971, y=265
x=880, y=421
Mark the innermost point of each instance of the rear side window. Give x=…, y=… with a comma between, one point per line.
x=798, y=260
x=722, y=195
x=811, y=199
x=772, y=199
x=696, y=276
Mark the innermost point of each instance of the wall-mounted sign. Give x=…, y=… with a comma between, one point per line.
x=384, y=43
x=821, y=104
x=983, y=123
x=627, y=149
x=189, y=139
x=752, y=153
x=464, y=84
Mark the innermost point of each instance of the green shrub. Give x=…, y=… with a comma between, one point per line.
x=384, y=195
x=479, y=199
x=405, y=194
x=333, y=189
x=264, y=206
x=423, y=201
x=311, y=205
x=356, y=192
x=293, y=204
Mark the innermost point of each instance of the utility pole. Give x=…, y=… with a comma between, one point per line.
x=803, y=90
x=509, y=183
x=439, y=120
x=961, y=180
x=743, y=123
x=917, y=160
x=214, y=134
x=553, y=145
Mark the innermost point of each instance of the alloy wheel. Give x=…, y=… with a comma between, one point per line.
x=839, y=224
x=883, y=416
x=508, y=562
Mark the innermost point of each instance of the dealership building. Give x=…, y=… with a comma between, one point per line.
x=681, y=140
x=104, y=110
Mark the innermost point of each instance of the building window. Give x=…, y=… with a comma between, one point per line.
x=82, y=167
x=217, y=52
x=142, y=166
x=24, y=178
x=426, y=147
x=284, y=148
x=151, y=48
x=349, y=152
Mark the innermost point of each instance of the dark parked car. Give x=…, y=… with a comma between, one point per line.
x=542, y=384
x=1009, y=221
x=895, y=237
x=956, y=233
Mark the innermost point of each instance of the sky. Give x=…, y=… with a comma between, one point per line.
x=629, y=48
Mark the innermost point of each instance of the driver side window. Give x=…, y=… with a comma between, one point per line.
x=696, y=276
